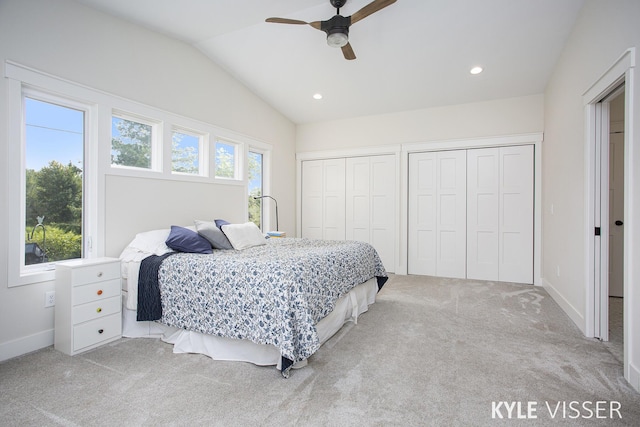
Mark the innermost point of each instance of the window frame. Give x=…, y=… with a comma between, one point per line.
x=18, y=273
x=156, y=141
x=238, y=155
x=266, y=150
x=203, y=151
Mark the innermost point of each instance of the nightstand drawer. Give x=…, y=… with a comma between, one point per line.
x=96, y=291
x=95, y=273
x=96, y=309
x=95, y=331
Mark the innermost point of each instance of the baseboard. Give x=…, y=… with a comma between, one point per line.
x=566, y=306
x=634, y=377
x=15, y=348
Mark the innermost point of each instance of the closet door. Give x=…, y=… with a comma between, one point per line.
x=483, y=194
x=437, y=213
x=516, y=214
x=334, y=200
x=323, y=199
x=500, y=214
x=312, y=199
x=358, y=199
x=371, y=203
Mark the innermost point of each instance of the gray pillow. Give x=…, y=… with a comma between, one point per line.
x=210, y=231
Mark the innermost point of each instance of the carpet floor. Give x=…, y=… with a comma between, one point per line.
x=429, y=352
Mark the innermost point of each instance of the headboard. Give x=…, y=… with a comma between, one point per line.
x=134, y=205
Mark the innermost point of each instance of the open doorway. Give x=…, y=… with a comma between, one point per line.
x=615, y=342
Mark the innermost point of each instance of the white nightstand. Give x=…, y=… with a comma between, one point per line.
x=88, y=304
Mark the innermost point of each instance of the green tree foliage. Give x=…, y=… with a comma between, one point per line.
x=224, y=163
x=59, y=244
x=183, y=158
x=132, y=145
x=55, y=192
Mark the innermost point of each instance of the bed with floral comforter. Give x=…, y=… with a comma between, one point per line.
x=271, y=294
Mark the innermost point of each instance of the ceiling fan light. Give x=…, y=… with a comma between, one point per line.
x=337, y=39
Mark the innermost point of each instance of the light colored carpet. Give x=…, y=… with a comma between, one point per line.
x=429, y=352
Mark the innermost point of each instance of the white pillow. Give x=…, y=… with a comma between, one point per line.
x=243, y=236
x=152, y=242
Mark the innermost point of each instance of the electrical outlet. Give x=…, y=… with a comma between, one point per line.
x=50, y=299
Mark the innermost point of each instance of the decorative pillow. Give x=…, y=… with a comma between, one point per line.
x=243, y=236
x=184, y=240
x=221, y=222
x=151, y=242
x=210, y=231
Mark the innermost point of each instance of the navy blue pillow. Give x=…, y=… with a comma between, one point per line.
x=184, y=240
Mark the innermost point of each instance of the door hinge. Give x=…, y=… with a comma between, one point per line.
x=597, y=231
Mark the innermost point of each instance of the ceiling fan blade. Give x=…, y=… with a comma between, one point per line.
x=347, y=51
x=372, y=7
x=314, y=24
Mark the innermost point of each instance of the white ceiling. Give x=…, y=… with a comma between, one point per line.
x=413, y=54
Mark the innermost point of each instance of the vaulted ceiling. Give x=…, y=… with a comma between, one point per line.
x=411, y=55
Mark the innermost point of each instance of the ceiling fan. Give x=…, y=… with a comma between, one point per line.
x=337, y=28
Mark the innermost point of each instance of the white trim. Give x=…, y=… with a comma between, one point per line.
x=484, y=142
x=566, y=306
x=610, y=78
x=352, y=152
x=24, y=345
x=622, y=71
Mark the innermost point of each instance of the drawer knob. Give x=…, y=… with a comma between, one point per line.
x=100, y=274
x=99, y=309
x=99, y=292
x=100, y=331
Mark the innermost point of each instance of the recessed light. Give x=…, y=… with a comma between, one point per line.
x=317, y=96
x=476, y=70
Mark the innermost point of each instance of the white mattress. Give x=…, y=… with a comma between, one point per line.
x=347, y=309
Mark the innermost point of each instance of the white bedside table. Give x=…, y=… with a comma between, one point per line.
x=88, y=304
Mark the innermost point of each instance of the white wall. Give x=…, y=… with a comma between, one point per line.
x=603, y=31
x=482, y=119
x=68, y=40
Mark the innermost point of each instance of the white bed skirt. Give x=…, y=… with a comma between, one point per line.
x=347, y=309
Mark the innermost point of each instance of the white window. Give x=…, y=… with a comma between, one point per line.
x=187, y=153
x=53, y=179
x=255, y=186
x=135, y=143
x=227, y=158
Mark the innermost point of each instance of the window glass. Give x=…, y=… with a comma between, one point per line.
x=226, y=158
x=131, y=143
x=54, y=154
x=185, y=153
x=255, y=188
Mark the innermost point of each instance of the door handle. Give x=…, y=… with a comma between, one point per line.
x=618, y=222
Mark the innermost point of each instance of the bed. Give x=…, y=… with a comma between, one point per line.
x=271, y=302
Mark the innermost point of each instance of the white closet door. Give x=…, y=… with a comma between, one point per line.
x=371, y=203
x=383, y=208
x=437, y=213
x=452, y=214
x=483, y=195
x=422, y=214
x=516, y=214
x=334, y=199
x=358, y=199
x=312, y=199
